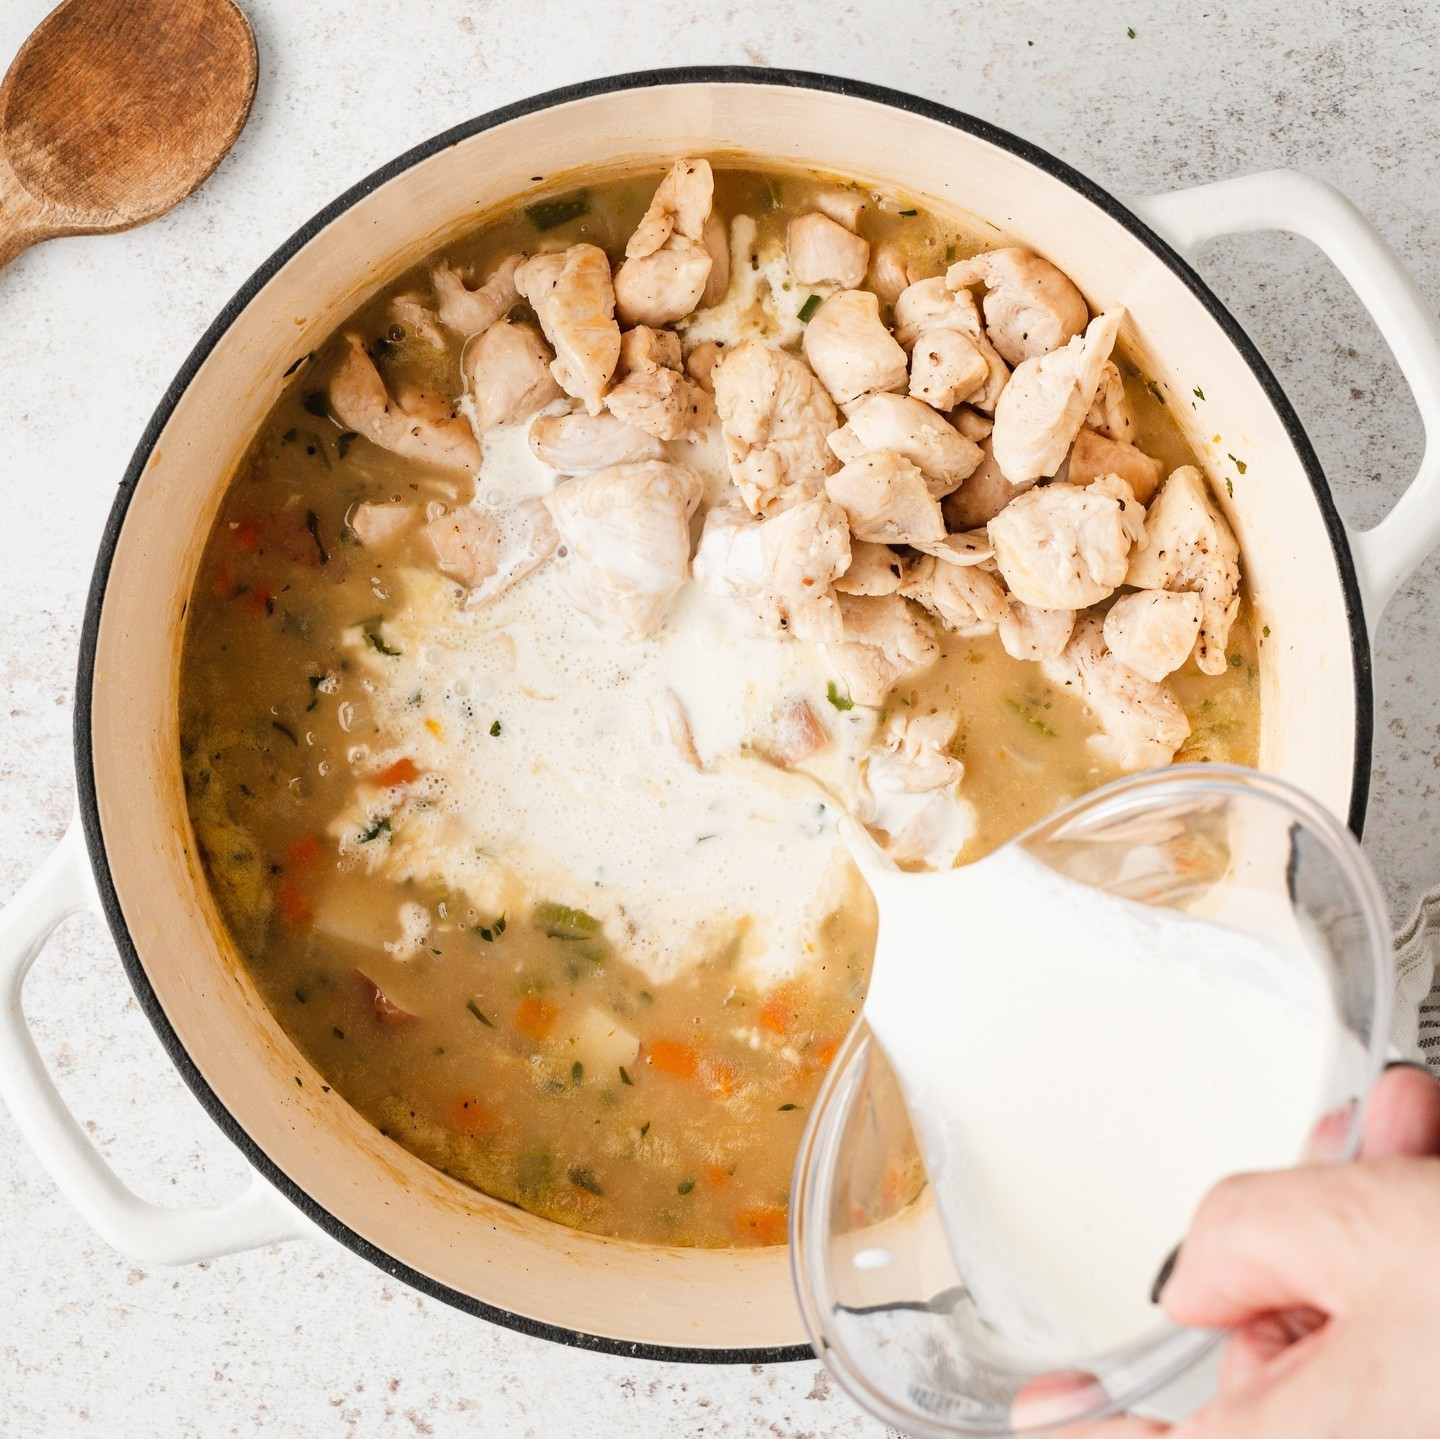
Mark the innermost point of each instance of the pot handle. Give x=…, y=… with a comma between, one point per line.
x=150, y=1233
x=1287, y=200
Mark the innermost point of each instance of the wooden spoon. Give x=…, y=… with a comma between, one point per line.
x=115, y=110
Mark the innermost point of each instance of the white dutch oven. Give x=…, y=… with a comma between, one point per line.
x=1318, y=587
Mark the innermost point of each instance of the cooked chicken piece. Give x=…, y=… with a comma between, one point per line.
x=982, y=496
x=1030, y=307
x=680, y=206
x=1153, y=631
x=701, y=361
x=574, y=300
x=1110, y=415
x=796, y=732
x=783, y=567
x=1094, y=455
x=964, y=598
x=889, y=273
x=650, y=391
x=850, y=350
x=418, y=425
x=717, y=246
x=874, y=570
x=507, y=372
x=969, y=547
x=1027, y=633
x=415, y=317
x=575, y=444
x=972, y=424
x=822, y=252
x=884, y=642
x=468, y=311
x=946, y=367
x=626, y=530
x=466, y=544
x=930, y=305
x=1188, y=546
x=526, y=538
x=1060, y=547
x=845, y=207
x=377, y=524
x=1142, y=721
x=911, y=428
x=676, y=725
x=1042, y=408
x=886, y=500
x=915, y=758
x=774, y=415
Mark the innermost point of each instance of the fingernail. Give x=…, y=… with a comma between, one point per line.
x=1163, y=1277
x=1407, y=1064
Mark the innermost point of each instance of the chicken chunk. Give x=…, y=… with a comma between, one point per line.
x=889, y=273
x=1027, y=633
x=774, y=415
x=964, y=598
x=822, y=252
x=845, y=207
x=507, y=374
x=1094, y=455
x=701, y=361
x=650, y=392
x=967, y=547
x=915, y=757
x=1188, y=546
x=795, y=731
x=1143, y=723
x=983, y=495
x=415, y=425
x=850, y=350
x=886, y=500
x=667, y=261
x=1030, y=307
x=525, y=538
x=1111, y=415
x=1060, y=547
x=911, y=428
x=782, y=567
x=466, y=544
x=931, y=305
x=378, y=524
x=972, y=424
x=717, y=246
x=1153, y=631
x=575, y=444
x=470, y=311
x=1042, y=408
x=874, y=570
x=946, y=367
x=626, y=530
x=883, y=641
x=415, y=317
x=574, y=300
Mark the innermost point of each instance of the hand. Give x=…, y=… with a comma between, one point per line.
x=1329, y=1277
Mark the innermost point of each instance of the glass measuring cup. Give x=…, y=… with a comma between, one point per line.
x=882, y=1290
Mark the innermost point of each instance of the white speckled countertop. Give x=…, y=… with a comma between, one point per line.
x=311, y=1341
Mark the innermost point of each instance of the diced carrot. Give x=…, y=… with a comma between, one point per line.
x=295, y=909
x=468, y=1116
x=303, y=853
x=716, y=1176
x=403, y=771
x=779, y=1013
x=433, y=725
x=765, y=1224
x=671, y=1058
x=825, y=1053
x=245, y=534
x=534, y=1017
x=719, y=1077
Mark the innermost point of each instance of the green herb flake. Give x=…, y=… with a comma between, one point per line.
x=312, y=523
x=685, y=1186
x=806, y=312
x=492, y=931
x=644, y=1129
x=286, y=731
x=647, y=997
x=479, y=1014
x=371, y=631
x=1229, y=487
x=583, y=1179
x=786, y=1108
x=314, y=681
x=1130, y=32
x=1266, y=632
x=625, y=1078
x=909, y=214
x=560, y=921
x=1155, y=390
x=1030, y=717
x=949, y=254
x=548, y=214
x=343, y=443
x=317, y=403
x=1240, y=465
x=841, y=702
x=495, y=730
x=577, y=1072
x=376, y=829
x=1199, y=393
